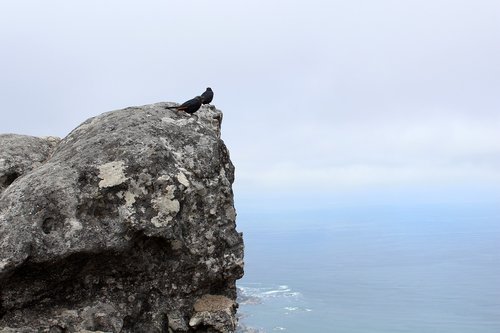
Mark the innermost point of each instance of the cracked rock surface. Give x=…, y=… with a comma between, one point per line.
x=125, y=225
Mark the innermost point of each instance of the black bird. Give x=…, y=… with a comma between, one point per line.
x=190, y=106
x=207, y=96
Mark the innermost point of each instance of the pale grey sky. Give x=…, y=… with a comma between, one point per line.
x=319, y=97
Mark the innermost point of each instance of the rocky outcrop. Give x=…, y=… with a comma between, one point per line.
x=127, y=226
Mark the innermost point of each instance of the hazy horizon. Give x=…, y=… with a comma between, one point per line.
x=323, y=101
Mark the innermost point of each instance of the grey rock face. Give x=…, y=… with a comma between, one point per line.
x=20, y=154
x=124, y=228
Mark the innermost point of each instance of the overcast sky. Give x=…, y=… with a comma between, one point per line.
x=322, y=100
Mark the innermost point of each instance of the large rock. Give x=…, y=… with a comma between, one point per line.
x=126, y=227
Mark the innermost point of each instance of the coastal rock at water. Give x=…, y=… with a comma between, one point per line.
x=127, y=226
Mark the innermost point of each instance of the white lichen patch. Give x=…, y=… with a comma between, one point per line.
x=74, y=225
x=182, y=179
x=231, y=213
x=223, y=177
x=112, y=174
x=135, y=189
x=167, y=207
x=129, y=199
x=163, y=178
x=3, y=264
x=127, y=209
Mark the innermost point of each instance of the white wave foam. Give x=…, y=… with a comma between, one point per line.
x=270, y=292
x=292, y=309
x=255, y=290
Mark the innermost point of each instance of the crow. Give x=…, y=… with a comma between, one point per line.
x=207, y=96
x=190, y=106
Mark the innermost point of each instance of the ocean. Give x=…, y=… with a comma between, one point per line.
x=372, y=269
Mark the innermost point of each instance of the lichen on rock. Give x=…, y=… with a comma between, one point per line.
x=122, y=226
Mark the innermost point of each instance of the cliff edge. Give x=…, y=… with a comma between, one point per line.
x=125, y=225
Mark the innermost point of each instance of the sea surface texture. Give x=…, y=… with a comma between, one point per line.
x=414, y=269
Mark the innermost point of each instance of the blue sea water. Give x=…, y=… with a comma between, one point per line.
x=414, y=269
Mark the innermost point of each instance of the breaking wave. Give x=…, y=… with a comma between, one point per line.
x=256, y=290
